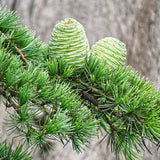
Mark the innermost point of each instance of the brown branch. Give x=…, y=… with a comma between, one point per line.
x=109, y=122
x=95, y=91
x=11, y=102
x=18, y=50
x=89, y=97
x=95, y=102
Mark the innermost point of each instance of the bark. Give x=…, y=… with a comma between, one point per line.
x=144, y=51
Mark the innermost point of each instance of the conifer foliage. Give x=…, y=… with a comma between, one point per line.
x=65, y=92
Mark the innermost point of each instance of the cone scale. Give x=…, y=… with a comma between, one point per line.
x=69, y=41
x=111, y=51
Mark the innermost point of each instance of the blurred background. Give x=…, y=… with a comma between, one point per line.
x=135, y=22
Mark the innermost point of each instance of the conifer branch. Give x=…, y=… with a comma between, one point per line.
x=66, y=99
x=17, y=49
x=11, y=103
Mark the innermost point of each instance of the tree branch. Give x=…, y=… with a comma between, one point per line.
x=18, y=50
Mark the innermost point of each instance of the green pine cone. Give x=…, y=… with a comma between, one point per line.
x=69, y=41
x=111, y=51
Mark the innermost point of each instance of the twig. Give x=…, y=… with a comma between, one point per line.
x=91, y=99
x=109, y=122
x=11, y=102
x=18, y=50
